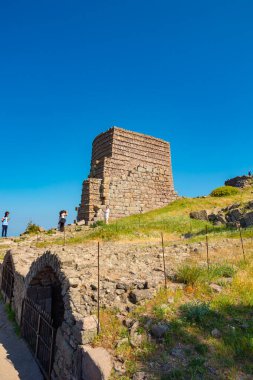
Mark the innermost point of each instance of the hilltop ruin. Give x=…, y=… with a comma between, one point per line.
x=131, y=172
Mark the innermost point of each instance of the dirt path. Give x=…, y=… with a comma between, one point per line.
x=16, y=361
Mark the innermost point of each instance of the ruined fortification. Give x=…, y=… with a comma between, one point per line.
x=130, y=172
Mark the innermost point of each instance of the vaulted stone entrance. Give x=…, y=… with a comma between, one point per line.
x=42, y=315
x=53, y=305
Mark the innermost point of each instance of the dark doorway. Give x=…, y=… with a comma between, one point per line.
x=43, y=313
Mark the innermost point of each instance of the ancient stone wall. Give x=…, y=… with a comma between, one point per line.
x=130, y=172
x=129, y=274
x=75, y=270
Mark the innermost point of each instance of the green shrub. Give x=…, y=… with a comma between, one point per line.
x=224, y=191
x=52, y=231
x=188, y=274
x=221, y=270
x=99, y=223
x=197, y=312
x=32, y=228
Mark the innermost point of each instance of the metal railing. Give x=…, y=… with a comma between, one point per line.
x=37, y=329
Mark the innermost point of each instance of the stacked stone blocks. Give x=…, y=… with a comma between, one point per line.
x=130, y=172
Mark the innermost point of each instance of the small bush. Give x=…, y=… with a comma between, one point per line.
x=222, y=270
x=224, y=191
x=32, y=228
x=196, y=312
x=99, y=223
x=52, y=231
x=188, y=274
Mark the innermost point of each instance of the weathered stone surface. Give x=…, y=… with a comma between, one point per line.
x=216, y=333
x=137, y=296
x=234, y=215
x=247, y=219
x=136, y=339
x=216, y=288
x=129, y=171
x=96, y=364
x=201, y=215
x=240, y=181
x=159, y=330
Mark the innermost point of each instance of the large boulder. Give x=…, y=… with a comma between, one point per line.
x=200, y=215
x=234, y=215
x=247, y=220
x=240, y=181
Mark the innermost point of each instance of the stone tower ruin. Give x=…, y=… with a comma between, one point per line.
x=130, y=172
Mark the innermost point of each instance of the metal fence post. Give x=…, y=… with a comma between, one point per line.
x=98, y=327
x=207, y=251
x=243, y=251
x=164, y=264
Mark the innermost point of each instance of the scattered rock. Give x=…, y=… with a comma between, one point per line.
x=137, y=296
x=159, y=330
x=216, y=288
x=247, y=219
x=200, y=215
x=122, y=341
x=171, y=300
x=216, y=333
x=240, y=181
x=123, y=286
x=140, y=376
x=178, y=352
x=136, y=339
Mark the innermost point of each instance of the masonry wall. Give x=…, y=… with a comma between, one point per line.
x=132, y=173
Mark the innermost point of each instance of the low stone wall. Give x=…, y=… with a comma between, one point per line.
x=130, y=274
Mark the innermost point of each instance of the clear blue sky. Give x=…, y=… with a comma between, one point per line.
x=178, y=70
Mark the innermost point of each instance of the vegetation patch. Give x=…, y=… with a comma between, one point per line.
x=225, y=191
x=32, y=228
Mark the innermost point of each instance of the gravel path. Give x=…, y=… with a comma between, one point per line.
x=16, y=361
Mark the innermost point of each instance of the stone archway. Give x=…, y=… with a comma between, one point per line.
x=43, y=309
x=45, y=290
x=51, y=287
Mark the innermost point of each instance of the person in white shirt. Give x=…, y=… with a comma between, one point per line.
x=106, y=214
x=5, y=223
x=62, y=220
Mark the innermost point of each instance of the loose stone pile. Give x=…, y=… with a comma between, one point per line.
x=232, y=216
x=240, y=181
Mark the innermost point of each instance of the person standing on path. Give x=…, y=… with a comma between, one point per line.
x=5, y=223
x=62, y=220
x=106, y=215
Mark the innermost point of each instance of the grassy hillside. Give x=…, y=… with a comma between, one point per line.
x=208, y=326
x=173, y=220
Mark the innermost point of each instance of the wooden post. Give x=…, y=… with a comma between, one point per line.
x=98, y=327
x=164, y=265
x=207, y=251
x=243, y=251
